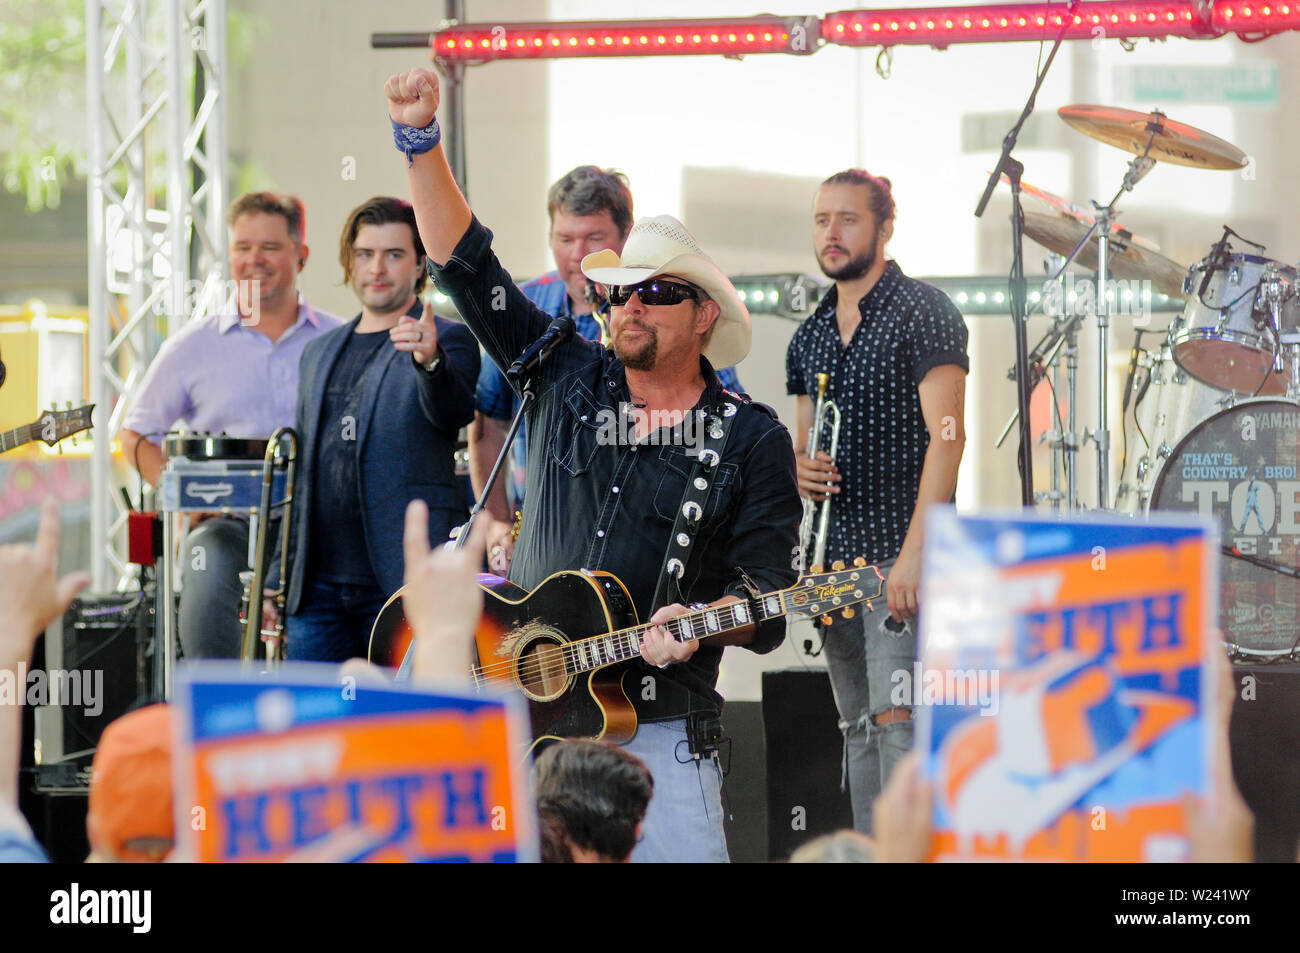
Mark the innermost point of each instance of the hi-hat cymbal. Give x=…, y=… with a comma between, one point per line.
x=1174, y=142
x=1127, y=260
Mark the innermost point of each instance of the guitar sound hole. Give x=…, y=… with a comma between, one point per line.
x=540, y=670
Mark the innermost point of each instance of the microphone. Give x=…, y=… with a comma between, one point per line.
x=558, y=332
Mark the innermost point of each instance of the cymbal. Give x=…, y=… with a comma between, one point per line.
x=1127, y=259
x=1174, y=142
x=1077, y=212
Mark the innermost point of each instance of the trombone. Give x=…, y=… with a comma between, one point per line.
x=281, y=453
x=814, y=530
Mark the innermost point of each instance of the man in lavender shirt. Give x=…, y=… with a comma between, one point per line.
x=235, y=373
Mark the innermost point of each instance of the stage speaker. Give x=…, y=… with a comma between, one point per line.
x=1265, y=736
x=98, y=666
x=804, y=753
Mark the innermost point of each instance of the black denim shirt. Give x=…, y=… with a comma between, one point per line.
x=594, y=504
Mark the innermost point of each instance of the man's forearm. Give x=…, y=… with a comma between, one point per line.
x=441, y=212
x=938, y=483
x=139, y=450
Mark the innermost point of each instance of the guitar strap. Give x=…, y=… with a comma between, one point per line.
x=717, y=428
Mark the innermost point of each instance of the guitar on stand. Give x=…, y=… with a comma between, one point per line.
x=561, y=645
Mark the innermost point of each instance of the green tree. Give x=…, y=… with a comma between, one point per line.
x=42, y=82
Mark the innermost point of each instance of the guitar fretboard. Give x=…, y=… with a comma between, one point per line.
x=625, y=644
x=16, y=437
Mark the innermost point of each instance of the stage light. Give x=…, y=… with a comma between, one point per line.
x=539, y=40
x=1000, y=23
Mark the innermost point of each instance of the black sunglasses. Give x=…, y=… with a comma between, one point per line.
x=657, y=291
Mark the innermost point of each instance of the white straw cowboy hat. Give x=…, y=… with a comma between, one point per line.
x=662, y=246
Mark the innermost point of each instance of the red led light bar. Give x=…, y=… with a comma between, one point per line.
x=1001, y=23
x=514, y=41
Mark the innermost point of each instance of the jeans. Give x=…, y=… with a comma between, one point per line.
x=862, y=656
x=212, y=557
x=334, y=622
x=684, y=821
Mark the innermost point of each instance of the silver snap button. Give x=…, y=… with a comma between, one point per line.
x=600, y=534
x=615, y=489
x=701, y=483
x=683, y=539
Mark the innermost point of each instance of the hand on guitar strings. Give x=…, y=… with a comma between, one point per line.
x=659, y=647
x=442, y=601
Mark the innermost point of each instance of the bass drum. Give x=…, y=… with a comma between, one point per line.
x=1240, y=465
x=1169, y=404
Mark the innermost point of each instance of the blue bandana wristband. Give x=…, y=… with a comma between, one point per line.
x=412, y=142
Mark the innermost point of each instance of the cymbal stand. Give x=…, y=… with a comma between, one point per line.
x=1138, y=167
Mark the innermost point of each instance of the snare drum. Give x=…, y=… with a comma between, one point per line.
x=1225, y=337
x=1170, y=404
x=1242, y=466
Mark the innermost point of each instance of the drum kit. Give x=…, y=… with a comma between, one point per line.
x=1211, y=413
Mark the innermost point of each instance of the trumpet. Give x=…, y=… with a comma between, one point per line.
x=281, y=453
x=814, y=530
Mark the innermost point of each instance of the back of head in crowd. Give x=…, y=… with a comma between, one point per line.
x=130, y=812
x=842, y=847
x=598, y=794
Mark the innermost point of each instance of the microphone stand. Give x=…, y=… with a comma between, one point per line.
x=1013, y=169
x=461, y=534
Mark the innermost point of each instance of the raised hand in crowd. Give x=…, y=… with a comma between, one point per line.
x=902, y=814
x=30, y=588
x=442, y=600
x=1220, y=826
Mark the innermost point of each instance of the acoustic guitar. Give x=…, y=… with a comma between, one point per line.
x=562, y=643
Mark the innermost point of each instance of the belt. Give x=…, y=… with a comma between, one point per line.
x=892, y=715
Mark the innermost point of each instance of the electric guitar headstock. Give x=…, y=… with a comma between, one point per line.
x=55, y=425
x=819, y=593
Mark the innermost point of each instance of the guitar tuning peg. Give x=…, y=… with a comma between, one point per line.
x=815, y=569
x=860, y=562
x=848, y=612
x=837, y=565
x=826, y=620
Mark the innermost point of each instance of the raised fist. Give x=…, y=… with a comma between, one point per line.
x=413, y=97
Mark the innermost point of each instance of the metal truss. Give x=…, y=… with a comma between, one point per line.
x=155, y=104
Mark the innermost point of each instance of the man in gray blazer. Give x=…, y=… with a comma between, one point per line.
x=378, y=429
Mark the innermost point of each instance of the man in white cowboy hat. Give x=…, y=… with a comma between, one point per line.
x=618, y=503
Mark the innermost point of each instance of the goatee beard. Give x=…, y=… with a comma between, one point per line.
x=854, y=268
x=641, y=360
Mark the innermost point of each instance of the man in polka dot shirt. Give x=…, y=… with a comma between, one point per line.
x=896, y=355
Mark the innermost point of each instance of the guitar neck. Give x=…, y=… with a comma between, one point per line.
x=17, y=437
x=624, y=645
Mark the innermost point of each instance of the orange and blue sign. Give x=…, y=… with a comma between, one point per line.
x=1089, y=640
x=268, y=766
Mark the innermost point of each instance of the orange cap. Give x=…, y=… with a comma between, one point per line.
x=130, y=814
